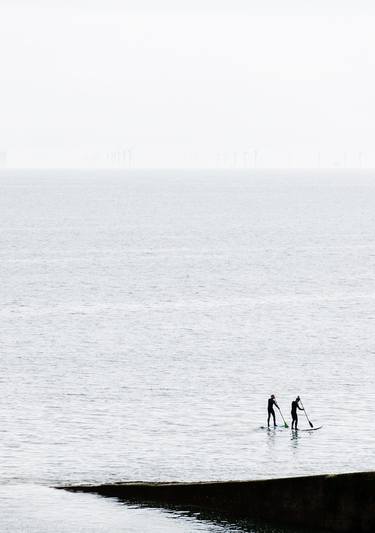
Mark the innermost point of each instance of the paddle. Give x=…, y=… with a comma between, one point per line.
x=311, y=424
x=285, y=424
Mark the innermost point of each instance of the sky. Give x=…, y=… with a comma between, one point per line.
x=161, y=83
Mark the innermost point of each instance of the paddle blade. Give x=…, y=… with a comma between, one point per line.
x=286, y=425
x=311, y=424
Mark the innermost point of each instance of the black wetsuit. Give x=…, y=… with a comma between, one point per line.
x=271, y=412
x=295, y=406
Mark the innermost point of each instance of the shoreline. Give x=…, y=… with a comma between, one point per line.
x=343, y=503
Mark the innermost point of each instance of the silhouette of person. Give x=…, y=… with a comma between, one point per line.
x=271, y=412
x=295, y=406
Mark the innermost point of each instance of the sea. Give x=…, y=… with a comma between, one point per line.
x=146, y=318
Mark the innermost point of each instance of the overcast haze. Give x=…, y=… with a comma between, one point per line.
x=187, y=83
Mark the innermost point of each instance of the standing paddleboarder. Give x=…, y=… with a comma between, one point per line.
x=271, y=412
x=295, y=406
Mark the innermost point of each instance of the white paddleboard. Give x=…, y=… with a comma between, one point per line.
x=308, y=429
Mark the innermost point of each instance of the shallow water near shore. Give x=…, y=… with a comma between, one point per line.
x=146, y=317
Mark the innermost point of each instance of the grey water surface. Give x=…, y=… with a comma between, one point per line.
x=147, y=316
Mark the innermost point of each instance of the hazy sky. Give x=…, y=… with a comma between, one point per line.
x=187, y=83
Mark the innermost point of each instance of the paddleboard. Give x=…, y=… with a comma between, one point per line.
x=308, y=429
x=272, y=428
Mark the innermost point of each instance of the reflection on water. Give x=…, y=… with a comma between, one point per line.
x=295, y=438
x=37, y=509
x=213, y=519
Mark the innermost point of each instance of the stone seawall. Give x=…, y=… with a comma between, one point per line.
x=342, y=503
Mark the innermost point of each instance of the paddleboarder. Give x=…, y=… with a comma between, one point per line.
x=295, y=406
x=271, y=412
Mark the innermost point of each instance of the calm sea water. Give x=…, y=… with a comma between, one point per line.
x=147, y=316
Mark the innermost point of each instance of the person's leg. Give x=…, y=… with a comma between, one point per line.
x=293, y=421
x=296, y=424
x=274, y=418
x=268, y=419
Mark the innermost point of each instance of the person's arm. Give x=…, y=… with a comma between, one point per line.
x=276, y=404
x=300, y=408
